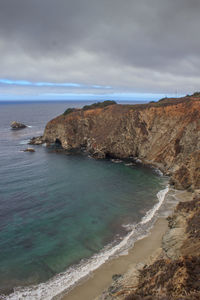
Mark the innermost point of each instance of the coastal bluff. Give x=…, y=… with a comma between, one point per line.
x=165, y=134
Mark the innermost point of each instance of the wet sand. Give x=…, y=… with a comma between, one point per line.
x=144, y=251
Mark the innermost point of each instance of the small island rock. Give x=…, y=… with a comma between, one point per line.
x=29, y=150
x=17, y=125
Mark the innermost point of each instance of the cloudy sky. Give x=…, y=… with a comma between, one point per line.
x=99, y=49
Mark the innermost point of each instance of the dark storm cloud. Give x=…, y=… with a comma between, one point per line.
x=147, y=45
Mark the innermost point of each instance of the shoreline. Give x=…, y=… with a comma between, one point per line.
x=62, y=284
x=159, y=147
x=98, y=280
x=145, y=251
x=146, y=223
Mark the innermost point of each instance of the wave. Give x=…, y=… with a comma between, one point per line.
x=161, y=197
x=24, y=142
x=61, y=283
x=116, y=160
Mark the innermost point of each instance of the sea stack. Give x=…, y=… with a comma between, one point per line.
x=17, y=125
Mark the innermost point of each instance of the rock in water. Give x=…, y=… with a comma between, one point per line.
x=36, y=141
x=29, y=150
x=17, y=125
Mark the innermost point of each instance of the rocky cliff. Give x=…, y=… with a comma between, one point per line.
x=165, y=134
x=175, y=273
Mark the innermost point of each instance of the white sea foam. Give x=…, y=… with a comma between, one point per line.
x=116, y=161
x=62, y=282
x=161, y=197
x=129, y=164
x=137, y=160
x=24, y=142
x=158, y=171
x=128, y=227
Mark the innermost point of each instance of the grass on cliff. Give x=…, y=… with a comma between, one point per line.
x=162, y=102
x=196, y=94
x=69, y=111
x=99, y=105
x=92, y=106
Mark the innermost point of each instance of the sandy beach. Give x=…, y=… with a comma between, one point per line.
x=144, y=251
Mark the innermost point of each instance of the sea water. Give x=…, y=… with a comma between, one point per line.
x=62, y=216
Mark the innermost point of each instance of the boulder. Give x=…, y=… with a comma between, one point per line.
x=36, y=141
x=17, y=125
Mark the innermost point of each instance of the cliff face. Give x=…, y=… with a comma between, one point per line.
x=175, y=273
x=165, y=134
x=176, y=276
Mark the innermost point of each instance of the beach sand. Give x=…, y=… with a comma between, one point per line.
x=183, y=195
x=143, y=252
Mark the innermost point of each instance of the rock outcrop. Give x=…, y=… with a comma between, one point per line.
x=165, y=134
x=17, y=125
x=36, y=141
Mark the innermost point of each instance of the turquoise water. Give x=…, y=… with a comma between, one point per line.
x=58, y=209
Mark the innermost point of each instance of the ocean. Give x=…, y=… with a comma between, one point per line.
x=62, y=216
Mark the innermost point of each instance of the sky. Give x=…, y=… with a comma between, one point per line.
x=99, y=49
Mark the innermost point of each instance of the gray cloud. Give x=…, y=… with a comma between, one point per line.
x=134, y=46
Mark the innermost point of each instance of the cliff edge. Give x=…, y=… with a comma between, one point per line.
x=165, y=134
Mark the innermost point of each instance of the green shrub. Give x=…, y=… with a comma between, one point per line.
x=68, y=111
x=196, y=94
x=99, y=105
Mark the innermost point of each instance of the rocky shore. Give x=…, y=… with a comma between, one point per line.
x=166, y=135
x=175, y=272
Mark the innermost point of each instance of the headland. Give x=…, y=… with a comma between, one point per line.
x=163, y=134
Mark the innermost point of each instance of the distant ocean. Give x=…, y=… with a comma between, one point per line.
x=62, y=216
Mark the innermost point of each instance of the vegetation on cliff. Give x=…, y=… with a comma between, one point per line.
x=196, y=94
x=91, y=106
x=69, y=111
x=99, y=104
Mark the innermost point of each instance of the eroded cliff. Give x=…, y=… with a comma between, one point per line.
x=175, y=276
x=175, y=273
x=165, y=134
